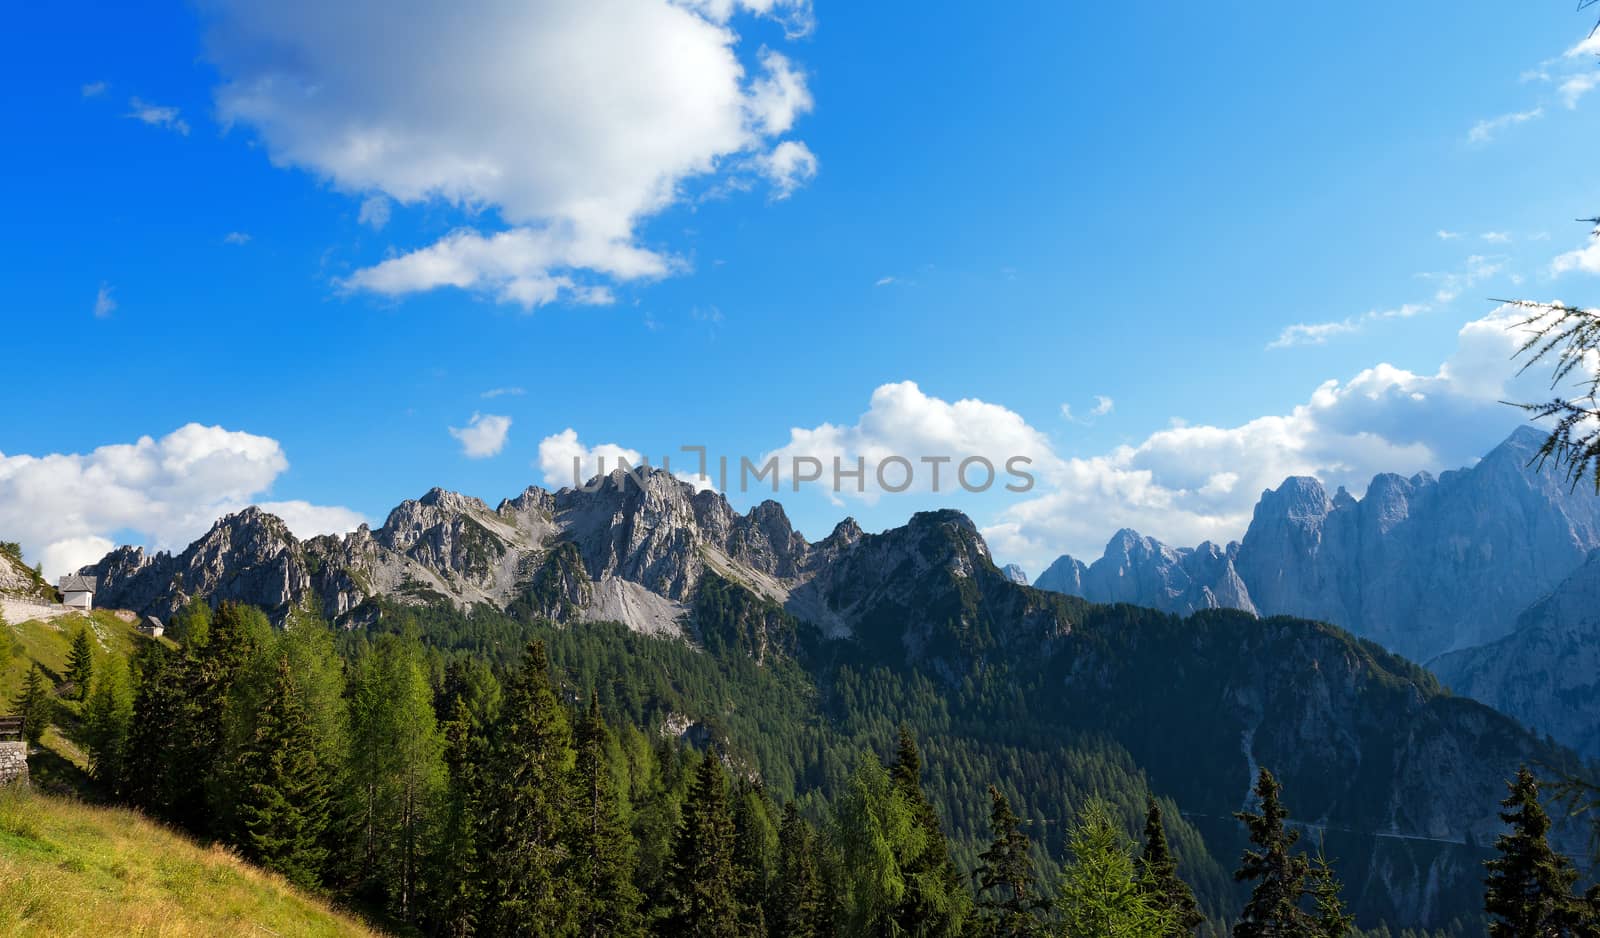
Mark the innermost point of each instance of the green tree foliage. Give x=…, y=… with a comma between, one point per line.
x=156, y=777
x=455, y=864
x=107, y=722
x=1158, y=875
x=1528, y=892
x=527, y=798
x=80, y=663
x=1278, y=874
x=191, y=625
x=395, y=770
x=797, y=905
x=1009, y=904
x=702, y=894
x=936, y=899
x=283, y=801
x=35, y=704
x=875, y=830
x=1101, y=895
x=605, y=901
x=1332, y=918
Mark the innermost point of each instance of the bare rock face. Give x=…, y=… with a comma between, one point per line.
x=20, y=581
x=1421, y=565
x=1547, y=672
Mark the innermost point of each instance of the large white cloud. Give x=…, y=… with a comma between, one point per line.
x=1190, y=483
x=572, y=121
x=66, y=509
x=483, y=436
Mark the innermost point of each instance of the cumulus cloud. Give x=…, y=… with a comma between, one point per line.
x=566, y=461
x=1573, y=89
x=66, y=509
x=902, y=422
x=571, y=122
x=1585, y=259
x=157, y=115
x=1189, y=483
x=790, y=165
x=483, y=436
x=1102, y=405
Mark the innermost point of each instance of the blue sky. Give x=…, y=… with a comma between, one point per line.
x=720, y=220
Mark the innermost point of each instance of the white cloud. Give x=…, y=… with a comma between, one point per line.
x=503, y=392
x=1103, y=405
x=1585, y=259
x=236, y=237
x=1496, y=237
x=903, y=421
x=790, y=165
x=1318, y=333
x=157, y=115
x=483, y=436
x=374, y=212
x=1589, y=46
x=1193, y=482
x=94, y=89
x=1486, y=130
x=104, y=303
x=1448, y=235
x=569, y=122
x=883, y=281
x=1573, y=89
x=566, y=461
x=66, y=509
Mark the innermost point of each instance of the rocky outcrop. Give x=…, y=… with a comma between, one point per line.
x=1421, y=565
x=20, y=581
x=1547, y=672
x=1015, y=574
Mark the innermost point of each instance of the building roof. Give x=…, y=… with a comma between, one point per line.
x=74, y=583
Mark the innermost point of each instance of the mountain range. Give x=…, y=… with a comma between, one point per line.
x=1376, y=755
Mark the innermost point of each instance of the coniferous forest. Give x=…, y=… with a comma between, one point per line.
x=459, y=774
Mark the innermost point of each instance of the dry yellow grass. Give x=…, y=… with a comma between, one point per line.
x=68, y=868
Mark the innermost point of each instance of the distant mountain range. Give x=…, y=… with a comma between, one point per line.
x=1367, y=743
x=1423, y=566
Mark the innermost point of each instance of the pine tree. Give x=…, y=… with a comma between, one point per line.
x=796, y=900
x=107, y=721
x=937, y=901
x=34, y=705
x=526, y=803
x=1529, y=887
x=1332, y=919
x=80, y=664
x=755, y=840
x=1008, y=899
x=155, y=775
x=1280, y=876
x=283, y=798
x=1158, y=874
x=603, y=895
x=1100, y=895
x=703, y=884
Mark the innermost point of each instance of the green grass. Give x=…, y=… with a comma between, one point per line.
x=67, y=868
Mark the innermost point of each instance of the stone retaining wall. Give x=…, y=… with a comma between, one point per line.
x=13, y=763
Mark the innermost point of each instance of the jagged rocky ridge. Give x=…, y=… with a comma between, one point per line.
x=1422, y=565
x=1368, y=743
x=1547, y=672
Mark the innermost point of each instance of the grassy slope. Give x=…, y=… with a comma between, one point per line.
x=59, y=764
x=71, y=869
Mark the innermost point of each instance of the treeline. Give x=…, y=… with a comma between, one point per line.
x=465, y=803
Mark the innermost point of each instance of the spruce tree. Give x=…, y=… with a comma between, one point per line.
x=937, y=901
x=1100, y=895
x=34, y=705
x=107, y=721
x=526, y=804
x=796, y=900
x=755, y=840
x=455, y=889
x=1529, y=887
x=80, y=664
x=1158, y=875
x=1279, y=876
x=156, y=775
x=1008, y=900
x=702, y=894
x=601, y=873
x=283, y=801
x=1332, y=918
